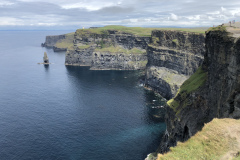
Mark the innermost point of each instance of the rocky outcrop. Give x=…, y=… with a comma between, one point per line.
x=59, y=43
x=163, y=80
x=212, y=92
x=80, y=57
x=52, y=40
x=176, y=53
x=108, y=49
x=45, y=58
x=118, y=61
x=180, y=53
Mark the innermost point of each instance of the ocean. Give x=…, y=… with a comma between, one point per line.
x=68, y=112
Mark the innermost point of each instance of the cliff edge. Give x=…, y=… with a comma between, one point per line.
x=168, y=55
x=212, y=92
x=59, y=42
x=110, y=48
x=172, y=57
x=219, y=140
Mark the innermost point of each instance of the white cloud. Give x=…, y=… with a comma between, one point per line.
x=89, y=6
x=5, y=3
x=237, y=14
x=46, y=24
x=173, y=17
x=119, y=3
x=149, y=13
x=226, y=12
x=10, y=21
x=195, y=17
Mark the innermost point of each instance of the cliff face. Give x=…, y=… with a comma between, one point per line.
x=118, y=61
x=79, y=57
x=108, y=49
x=171, y=56
x=52, y=40
x=212, y=92
x=59, y=42
x=180, y=53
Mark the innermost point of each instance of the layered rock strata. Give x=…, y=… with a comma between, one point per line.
x=59, y=43
x=107, y=50
x=180, y=53
x=50, y=41
x=212, y=92
x=118, y=61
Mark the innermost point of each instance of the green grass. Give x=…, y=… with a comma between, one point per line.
x=175, y=41
x=138, y=31
x=194, y=82
x=67, y=42
x=194, y=30
x=83, y=47
x=190, y=85
x=155, y=40
x=215, y=141
x=119, y=49
x=218, y=28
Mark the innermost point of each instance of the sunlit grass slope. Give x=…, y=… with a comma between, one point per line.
x=219, y=139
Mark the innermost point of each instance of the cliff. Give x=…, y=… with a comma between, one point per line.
x=172, y=57
x=118, y=47
x=219, y=139
x=59, y=42
x=111, y=47
x=119, y=60
x=212, y=92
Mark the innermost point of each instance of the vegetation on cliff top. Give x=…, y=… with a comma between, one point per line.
x=138, y=31
x=82, y=47
x=218, y=28
x=119, y=49
x=190, y=85
x=67, y=42
x=219, y=139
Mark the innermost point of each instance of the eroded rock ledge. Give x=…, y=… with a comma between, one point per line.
x=180, y=53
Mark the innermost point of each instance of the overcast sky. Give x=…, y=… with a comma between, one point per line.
x=73, y=14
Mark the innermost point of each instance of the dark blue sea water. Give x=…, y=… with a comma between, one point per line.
x=60, y=112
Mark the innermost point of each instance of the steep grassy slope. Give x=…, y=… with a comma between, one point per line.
x=219, y=139
x=67, y=42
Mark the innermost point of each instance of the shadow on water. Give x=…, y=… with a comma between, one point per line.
x=46, y=67
x=142, y=126
x=155, y=104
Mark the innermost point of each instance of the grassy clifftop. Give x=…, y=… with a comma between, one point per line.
x=67, y=42
x=119, y=49
x=219, y=139
x=138, y=31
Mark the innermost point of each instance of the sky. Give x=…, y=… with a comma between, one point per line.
x=74, y=14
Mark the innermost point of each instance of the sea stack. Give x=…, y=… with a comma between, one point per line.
x=45, y=58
